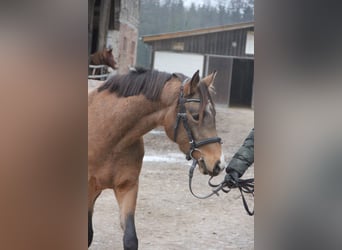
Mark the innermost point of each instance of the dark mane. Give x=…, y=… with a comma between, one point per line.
x=150, y=84
x=139, y=81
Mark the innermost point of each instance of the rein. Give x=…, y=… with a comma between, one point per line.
x=245, y=186
x=191, y=173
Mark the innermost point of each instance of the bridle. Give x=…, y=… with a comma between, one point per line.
x=244, y=186
x=181, y=116
x=194, y=145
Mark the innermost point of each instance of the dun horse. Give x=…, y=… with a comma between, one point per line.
x=128, y=106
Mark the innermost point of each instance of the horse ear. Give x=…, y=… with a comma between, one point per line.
x=209, y=79
x=193, y=83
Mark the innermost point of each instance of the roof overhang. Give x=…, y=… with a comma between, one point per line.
x=196, y=32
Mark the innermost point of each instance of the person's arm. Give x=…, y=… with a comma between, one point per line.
x=242, y=159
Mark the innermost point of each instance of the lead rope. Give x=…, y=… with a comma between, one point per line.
x=191, y=173
x=245, y=186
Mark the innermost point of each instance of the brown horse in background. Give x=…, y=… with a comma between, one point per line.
x=128, y=106
x=103, y=57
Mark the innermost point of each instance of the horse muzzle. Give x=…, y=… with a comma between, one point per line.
x=216, y=170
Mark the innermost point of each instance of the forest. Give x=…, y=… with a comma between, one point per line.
x=162, y=16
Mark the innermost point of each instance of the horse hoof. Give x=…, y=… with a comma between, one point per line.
x=130, y=243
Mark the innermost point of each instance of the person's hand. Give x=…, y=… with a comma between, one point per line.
x=231, y=178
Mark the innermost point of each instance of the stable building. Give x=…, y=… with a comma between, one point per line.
x=229, y=49
x=114, y=23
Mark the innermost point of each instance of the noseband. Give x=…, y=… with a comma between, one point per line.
x=181, y=116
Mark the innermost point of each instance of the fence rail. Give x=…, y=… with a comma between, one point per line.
x=103, y=70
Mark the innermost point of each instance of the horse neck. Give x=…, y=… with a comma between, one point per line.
x=139, y=117
x=135, y=117
x=169, y=99
x=148, y=115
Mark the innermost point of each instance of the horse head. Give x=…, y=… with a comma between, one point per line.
x=192, y=125
x=109, y=57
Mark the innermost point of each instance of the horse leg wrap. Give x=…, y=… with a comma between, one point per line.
x=130, y=237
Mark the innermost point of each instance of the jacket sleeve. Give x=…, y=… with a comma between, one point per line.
x=244, y=157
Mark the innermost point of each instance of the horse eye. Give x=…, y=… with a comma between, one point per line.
x=195, y=116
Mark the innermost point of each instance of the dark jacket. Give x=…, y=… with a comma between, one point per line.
x=244, y=157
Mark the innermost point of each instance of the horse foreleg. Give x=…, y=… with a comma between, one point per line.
x=93, y=193
x=126, y=195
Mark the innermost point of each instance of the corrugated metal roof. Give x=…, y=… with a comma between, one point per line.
x=196, y=32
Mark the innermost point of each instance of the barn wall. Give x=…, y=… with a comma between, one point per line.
x=223, y=66
x=219, y=43
x=128, y=38
x=223, y=51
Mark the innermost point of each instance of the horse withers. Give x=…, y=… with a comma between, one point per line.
x=125, y=108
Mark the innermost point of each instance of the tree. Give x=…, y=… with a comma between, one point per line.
x=248, y=14
x=235, y=7
x=192, y=19
x=161, y=16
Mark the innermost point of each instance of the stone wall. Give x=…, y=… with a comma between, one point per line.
x=125, y=40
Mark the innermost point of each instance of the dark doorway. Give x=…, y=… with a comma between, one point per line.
x=241, y=90
x=95, y=26
x=223, y=66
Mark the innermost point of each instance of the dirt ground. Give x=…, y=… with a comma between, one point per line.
x=168, y=217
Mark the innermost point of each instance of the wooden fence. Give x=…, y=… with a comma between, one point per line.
x=103, y=69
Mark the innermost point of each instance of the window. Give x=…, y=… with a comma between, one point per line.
x=250, y=43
